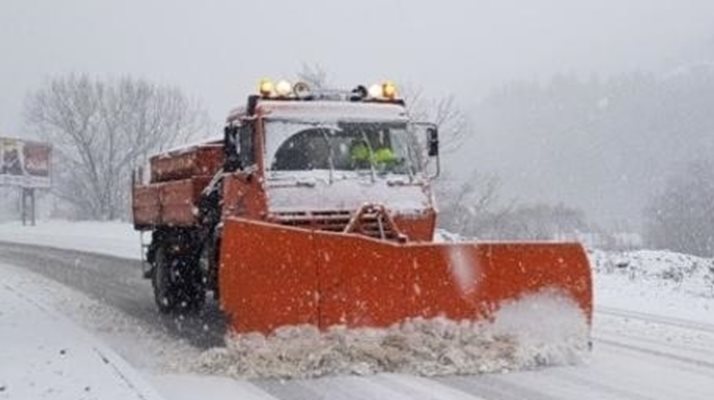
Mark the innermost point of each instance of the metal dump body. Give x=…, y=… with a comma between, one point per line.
x=178, y=177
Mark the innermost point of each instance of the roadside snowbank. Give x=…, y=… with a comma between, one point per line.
x=45, y=355
x=542, y=329
x=111, y=238
x=688, y=274
x=656, y=282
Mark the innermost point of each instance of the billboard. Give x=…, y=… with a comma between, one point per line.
x=24, y=163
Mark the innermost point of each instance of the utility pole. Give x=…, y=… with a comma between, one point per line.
x=28, y=210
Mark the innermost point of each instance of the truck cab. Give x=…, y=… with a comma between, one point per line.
x=318, y=160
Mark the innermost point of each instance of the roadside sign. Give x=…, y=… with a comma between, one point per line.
x=24, y=163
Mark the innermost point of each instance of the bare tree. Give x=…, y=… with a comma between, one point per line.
x=444, y=112
x=101, y=130
x=314, y=75
x=463, y=204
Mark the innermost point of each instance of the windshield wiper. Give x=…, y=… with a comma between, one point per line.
x=372, y=172
x=330, y=161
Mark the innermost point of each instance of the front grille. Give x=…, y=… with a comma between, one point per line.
x=334, y=221
x=373, y=221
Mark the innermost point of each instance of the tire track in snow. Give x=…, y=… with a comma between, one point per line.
x=423, y=388
x=679, y=346
x=602, y=389
x=679, y=322
x=655, y=352
x=492, y=388
x=116, y=282
x=672, y=350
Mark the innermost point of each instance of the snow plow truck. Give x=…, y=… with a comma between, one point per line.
x=316, y=207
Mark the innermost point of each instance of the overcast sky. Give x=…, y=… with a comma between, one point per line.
x=217, y=50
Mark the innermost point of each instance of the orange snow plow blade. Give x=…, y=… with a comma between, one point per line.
x=272, y=275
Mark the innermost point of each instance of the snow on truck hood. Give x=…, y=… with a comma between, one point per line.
x=314, y=191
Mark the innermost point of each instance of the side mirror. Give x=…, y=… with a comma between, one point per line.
x=433, y=141
x=231, y=160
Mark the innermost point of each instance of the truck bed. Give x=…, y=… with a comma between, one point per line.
x=173, y=203
x=177, y=178
x=197, y=160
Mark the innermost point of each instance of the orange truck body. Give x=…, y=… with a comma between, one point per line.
x=177, y=180
x=290, y=254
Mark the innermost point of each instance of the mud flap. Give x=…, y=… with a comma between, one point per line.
x=272, y=275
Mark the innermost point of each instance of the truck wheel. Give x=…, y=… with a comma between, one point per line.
x=193, y=290
x=208, y=262
x=178, y=286
x=165, y=290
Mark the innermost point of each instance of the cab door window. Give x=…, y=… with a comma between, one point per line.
x=246, y=150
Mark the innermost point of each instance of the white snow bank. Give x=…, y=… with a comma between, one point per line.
x=112, y=238
x=683, y=272
x=655, y=282
x=44, y=355
x=540, y=329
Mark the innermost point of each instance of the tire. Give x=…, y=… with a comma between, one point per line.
x=193, y=292
x=208, y=264
x=178, y=285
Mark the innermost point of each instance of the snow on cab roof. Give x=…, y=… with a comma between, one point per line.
x=320, y=111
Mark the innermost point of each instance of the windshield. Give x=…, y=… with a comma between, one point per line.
x=346, y=146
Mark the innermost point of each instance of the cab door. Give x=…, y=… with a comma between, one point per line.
x=243, y=194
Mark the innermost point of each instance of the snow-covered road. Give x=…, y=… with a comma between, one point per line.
x=43, y=355
x=639, y=352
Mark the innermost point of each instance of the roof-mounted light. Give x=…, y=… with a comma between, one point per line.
x=302, y=90
x=359, y=93
x=375, y=91
x=389, y=90
x=283, y=89
x=266, y=88
x=383, y=91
